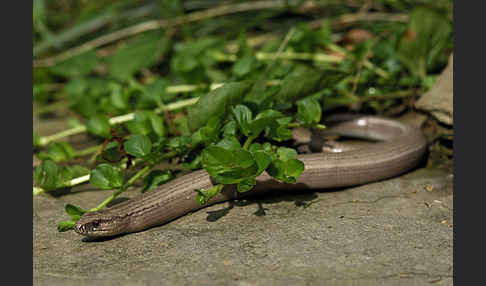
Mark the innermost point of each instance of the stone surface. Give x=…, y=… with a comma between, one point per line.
x=438, y=101
x=394, y=232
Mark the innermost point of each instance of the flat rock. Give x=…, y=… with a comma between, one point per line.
x=438, y=101
x=394, y=232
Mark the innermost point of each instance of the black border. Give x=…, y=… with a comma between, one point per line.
x=16, y=122
x=469, y=89
x=469, y=126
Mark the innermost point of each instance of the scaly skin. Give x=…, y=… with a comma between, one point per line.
x=401, y=150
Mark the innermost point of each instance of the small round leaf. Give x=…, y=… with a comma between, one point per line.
x=106, y=177
x=138, y=145
x=98, y=125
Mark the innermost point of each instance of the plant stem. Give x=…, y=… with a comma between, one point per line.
x=43, y=141
x=366, y=63
x=91, y=26
x=264, y=56
x=144, y=171
x=78, y=180
x=159, y=24
x=130, y=182
x=87, y=151
x=71, y=183
x=248, y=142
x=85, y=178
x=316, y=126
x=38, y=191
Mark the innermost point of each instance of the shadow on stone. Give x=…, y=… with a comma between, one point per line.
x=60, y=192
x=101, y=239
x=261, y=210
x=216, y=215
x=301, y=198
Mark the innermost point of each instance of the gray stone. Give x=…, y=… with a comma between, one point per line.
x=395, y=232
x=438, y=101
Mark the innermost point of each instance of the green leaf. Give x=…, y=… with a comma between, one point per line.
x=98, y=125
x=299, y=83
x=74, y=212
x=138, y=145
x=304, y=39
x=184, y=62
x=308, y=111
x=172, y=8
x=285, y=153
x=76, y=66
x=46, y=175
x=155, y=178
x=236, y=175
x=277, y=169
x=50, y=176
x=157, y=91
x=287, y=168
x=324, y=34
x=244, y=65
x=427, y=36
x=262, y=120
x=111, y=152
x=57, y=151
x=65, y=226
x=210, y=132
x=243, y=116
x=283, y=133
x=85, y=106
x=140, y=52
x=106, y=177
x=257, y=93
x=360, y=51
x=293, y=169
x=229, y=143
x=228, y=166
x=216, y=158
x=190, y=55
x=244, y=49
x=267, y=147
x=141, y=124
x=255, y=147
x=263, y=160
x=216, y=103
x=118, y=97
x=230, y=128
x=204, y=195
x=246, y=185
x=182, y=125
x=278, y=129
x=242, y=158
x=194, y=164
x=64, y=175
x=179, y=143
x=78, y=171
x=157, y=123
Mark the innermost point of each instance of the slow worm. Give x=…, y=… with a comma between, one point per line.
x=400, y=149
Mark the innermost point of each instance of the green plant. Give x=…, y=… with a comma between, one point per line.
x=225, y=106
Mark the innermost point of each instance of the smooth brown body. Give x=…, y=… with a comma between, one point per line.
x=401, y=150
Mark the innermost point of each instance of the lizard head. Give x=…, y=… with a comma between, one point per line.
x=95, y=224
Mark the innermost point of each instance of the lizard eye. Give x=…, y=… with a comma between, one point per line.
x=95, y=224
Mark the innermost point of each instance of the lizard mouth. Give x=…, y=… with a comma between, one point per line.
x=97, y=227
